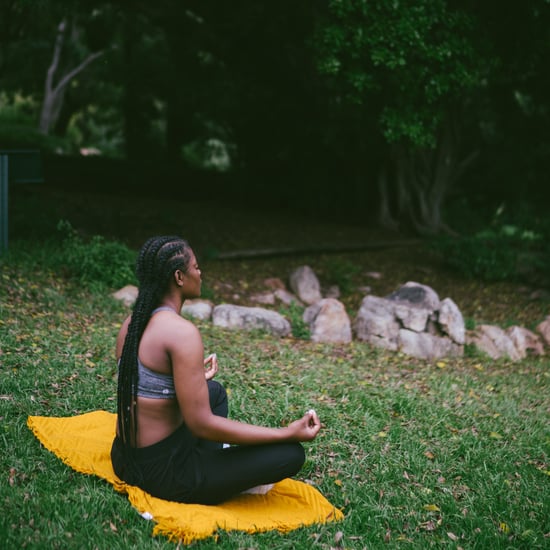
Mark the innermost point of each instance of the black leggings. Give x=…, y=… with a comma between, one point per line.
x=183, y=468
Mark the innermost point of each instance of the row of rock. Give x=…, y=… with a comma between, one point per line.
x=412, y=320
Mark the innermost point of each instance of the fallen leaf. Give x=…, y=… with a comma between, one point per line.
x=452, y=536
x=431, y=508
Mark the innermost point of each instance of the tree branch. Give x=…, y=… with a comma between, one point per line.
x=56, y=55
x=70, y=75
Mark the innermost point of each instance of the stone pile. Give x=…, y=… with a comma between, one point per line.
x=412, y=320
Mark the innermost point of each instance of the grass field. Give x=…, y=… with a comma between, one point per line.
x=416, y=454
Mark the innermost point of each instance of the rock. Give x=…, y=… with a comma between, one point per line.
x=414, y=305
x=544, y=330
x=427, y=346
x=127, y=295
x=483, y=343
x=274, y=283
x=286, y=297
x=493, y=341
x=305, y=285
x=524, y=340
x=328, y=321
x=416, y=295
x=198, y=309
x=250, y=318
x=451, y=322
x=364, y=289
x=375, y=323
x=266, y=298
x=412, y=318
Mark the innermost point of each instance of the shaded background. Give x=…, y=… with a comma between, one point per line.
x=422, y=117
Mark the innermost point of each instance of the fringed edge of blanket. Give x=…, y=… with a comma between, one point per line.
x=182, y=535
x=119, y=486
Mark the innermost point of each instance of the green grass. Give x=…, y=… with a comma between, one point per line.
x=453, y=454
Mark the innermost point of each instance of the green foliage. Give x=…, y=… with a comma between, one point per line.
x=480, y=256
x=407, y=59
x=97, y=263
x=341, y=273
x=514, y=247
x=295, y=314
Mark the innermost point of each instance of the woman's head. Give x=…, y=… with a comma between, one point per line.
x=160, y=258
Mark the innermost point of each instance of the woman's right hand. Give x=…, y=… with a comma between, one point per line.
x=306, y=428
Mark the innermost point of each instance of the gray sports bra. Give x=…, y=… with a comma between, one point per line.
x=152, y=384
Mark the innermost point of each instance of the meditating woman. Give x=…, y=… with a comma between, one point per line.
x=172, y=416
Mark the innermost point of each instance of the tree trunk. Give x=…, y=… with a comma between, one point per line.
x=420, y=181
x=54, y=94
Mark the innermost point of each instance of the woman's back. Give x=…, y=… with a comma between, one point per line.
x=160, y=416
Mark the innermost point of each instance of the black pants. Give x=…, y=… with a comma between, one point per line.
x=183, y=468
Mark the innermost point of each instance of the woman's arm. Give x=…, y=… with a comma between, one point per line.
x=186, y=352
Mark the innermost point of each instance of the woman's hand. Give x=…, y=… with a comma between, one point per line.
x=307, y=427
x=211, y=366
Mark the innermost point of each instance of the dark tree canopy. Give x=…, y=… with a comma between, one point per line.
x=389, y=108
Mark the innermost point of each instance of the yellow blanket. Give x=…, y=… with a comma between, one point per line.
x=84, y=443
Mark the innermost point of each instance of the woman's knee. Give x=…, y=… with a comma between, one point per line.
x=295, y=456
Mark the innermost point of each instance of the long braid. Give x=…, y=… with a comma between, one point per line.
x=157, y=261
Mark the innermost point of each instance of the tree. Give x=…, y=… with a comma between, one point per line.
x=54, y=92
x=412, y=65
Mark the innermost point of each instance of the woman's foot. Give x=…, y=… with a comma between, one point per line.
x=258, y=490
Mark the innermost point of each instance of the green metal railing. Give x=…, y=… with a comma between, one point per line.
x=16, y=166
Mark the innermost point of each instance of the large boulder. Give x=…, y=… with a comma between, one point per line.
x=412, y=320
x=197, y=309
x=304, y=283
x=376, y=324
x=127, y=295
x=426, y=345
x=544, y=330
x=493, y=341
x=451, y=321
x=416, y=295
x=328, y=321
x=525, y=341
x=250, y=318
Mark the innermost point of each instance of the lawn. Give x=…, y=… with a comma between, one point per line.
x=417, y=454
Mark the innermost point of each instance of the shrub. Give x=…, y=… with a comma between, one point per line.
x=295, y=314
x=342, y=273
x=512, y=248
x=97, y=263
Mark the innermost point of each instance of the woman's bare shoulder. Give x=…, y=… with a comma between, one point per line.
x=172, y=325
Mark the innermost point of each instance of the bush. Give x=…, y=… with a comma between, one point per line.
x=295, y=315
x=98, y=263
x=342, y=273
x=512, y=248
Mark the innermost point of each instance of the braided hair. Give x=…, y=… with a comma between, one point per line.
x=157, y=261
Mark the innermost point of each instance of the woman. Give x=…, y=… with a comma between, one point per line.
x=172, y=416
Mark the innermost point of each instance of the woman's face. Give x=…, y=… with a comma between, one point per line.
x=192, y=279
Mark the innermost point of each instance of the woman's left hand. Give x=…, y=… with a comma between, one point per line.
x=211, y=366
